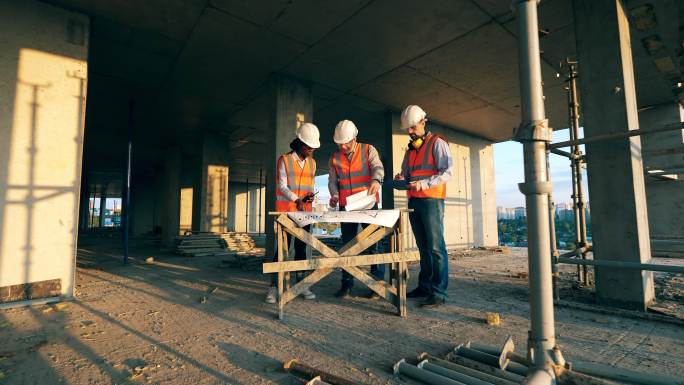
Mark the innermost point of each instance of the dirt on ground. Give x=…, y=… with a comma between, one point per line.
x=177, y=320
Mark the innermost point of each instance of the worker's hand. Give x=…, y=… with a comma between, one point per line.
x=308, y=198
x=373, y=187
x=399, y=177
x=414, y=186
x=334, y=200
x=300, y=204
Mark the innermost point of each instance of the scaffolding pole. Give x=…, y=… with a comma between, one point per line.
x=535, y=134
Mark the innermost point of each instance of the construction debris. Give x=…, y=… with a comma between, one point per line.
x=493, y=319
x=297, y=366
x=149, y=260
x=201, y=245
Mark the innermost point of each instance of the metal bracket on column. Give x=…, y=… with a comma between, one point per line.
x=535, y=130
x=538, y=188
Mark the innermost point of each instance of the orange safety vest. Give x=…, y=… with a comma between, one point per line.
x=421, y=164
x=300, y=180
x=353, y=175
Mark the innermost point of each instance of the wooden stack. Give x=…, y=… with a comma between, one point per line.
x=238, y=242
x=201, y=245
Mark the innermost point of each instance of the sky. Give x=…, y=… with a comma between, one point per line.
x=508, y=167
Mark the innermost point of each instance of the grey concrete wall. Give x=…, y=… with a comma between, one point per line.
x=144, y=205
x=169, y=196
x=665, y=197
x=243, y=207
x=43, y=75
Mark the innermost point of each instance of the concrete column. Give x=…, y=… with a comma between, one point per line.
x=43, y=82
x=103, y=203
x=210, y=189
x=663, y=151
x=292, y=104
x=170, y=196
x=615, y=169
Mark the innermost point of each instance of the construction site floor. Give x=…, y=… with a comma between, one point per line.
x=195, y=321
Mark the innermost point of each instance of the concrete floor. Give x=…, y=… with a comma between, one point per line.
x=146, y=324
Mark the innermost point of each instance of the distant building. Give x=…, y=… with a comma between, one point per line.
x=519, y=212
x=505, y=213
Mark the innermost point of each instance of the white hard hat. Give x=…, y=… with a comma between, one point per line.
x=411, y=116
x=308, y=133
x=345, y=131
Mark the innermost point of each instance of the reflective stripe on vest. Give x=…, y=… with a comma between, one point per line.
x=299, y=180
x=353, y=175
x=422, y=166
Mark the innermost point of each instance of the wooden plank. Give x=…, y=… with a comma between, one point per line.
x=331, y=263
x=306, y=237
x=360, y=236
x=382, y=288
x=305, y=283
x=362, y=245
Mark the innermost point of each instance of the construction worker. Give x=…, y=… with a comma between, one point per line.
x=354, y=168
x=295, y=190
x=424, y=173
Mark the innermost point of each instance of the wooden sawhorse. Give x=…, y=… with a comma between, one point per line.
x=348, y=258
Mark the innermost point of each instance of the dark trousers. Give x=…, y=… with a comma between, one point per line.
x=300, y=255
x=349, y=231
x=427, y=223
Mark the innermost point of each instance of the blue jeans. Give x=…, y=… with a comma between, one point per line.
x=427, y=222
x=349, y=231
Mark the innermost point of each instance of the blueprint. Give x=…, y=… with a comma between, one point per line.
x=385, y=218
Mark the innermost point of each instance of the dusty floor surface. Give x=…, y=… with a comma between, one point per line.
x=148, y=324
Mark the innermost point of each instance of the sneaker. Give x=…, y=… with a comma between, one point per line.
x=417, y=293
x=344, y=292
x=271, y=294
x=308, y=294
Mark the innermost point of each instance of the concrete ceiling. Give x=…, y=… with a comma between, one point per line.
x=206, y=62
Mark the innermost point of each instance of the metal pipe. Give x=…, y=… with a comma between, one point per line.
x=488, y=369
x=561, y=153
x=448, y=373
x=421, y=375
x=515, y=357
x=129, y=159
x=627, y=134
x=492, y=359
x=552, y=232
x=491, y=378
x=542, y=339
x=620, y=374
x=576, y=253
x=623, y=265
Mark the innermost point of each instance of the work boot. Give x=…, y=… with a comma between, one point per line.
x=370, y=294
x=344, y=292
x=433, y=301
x=308, y=294
x=417, y=293
x=272, y=294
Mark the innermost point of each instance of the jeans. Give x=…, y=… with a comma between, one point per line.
x=349, y=231
x=427, y=222
x=300, y=255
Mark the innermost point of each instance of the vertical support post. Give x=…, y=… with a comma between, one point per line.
x=278, y=229
x=402, y=269
x=247, y=206
x=129, y=157
x=261, y=171
x=534, y=134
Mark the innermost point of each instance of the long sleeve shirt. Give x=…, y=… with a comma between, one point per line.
x=376, y=168
x=443, y=161
x=282, y=176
